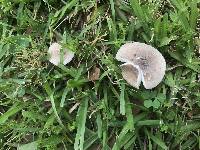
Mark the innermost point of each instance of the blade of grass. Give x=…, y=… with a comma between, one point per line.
x=182, y=60
x=136, y=6
x=190, y=143
x=113, y=9
x=3, y=49
x=122, y=100
x=178, y=4
x=65, y=92
x=60, y=13
x=129, y=145
x=12, y=111
x=164, y=26
x=50, y=94
x=190, y=127
x=105, y=121
x=184, y=20
x=112, y=29
x=90, y=141
x=193, y=15
x=157, y=140
x=81, y=120
x=148, y=122
x=99, y=125
x=122, y=15
x=129, y=115
x=123, y=137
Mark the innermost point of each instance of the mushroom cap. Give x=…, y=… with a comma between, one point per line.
x=131, y=74
x=147, y=59
x=54, y=52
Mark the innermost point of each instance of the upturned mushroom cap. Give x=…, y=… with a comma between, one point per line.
x=149, y=62
x=55, y=57
x=131, y=74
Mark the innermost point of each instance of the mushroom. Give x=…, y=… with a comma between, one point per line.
x=55, y=57
x=142, y=62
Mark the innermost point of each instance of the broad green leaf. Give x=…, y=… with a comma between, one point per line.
x=148, y=103
x=156, y=103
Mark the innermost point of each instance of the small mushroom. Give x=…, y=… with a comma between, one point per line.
x=148, y=61
x=55, y=57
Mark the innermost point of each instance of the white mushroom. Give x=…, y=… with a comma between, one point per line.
x=148, y=61
x=55, y=57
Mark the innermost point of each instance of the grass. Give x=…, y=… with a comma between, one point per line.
x=47, y=107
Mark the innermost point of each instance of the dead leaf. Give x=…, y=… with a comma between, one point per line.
x=94, y=74
x=29, y=30
x=190, y=114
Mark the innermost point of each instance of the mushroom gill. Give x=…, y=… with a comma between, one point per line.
x=131, y=74
x=146, y=59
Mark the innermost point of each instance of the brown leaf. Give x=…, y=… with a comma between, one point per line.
x=94, y=74
x=29, y=30
x=190, y=114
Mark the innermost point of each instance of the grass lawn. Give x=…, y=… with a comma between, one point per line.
x=86, y=104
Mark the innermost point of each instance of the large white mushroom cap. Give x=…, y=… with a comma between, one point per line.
x=55, y=54
x=148, y=61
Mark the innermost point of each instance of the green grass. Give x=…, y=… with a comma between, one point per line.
x=36, y=98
